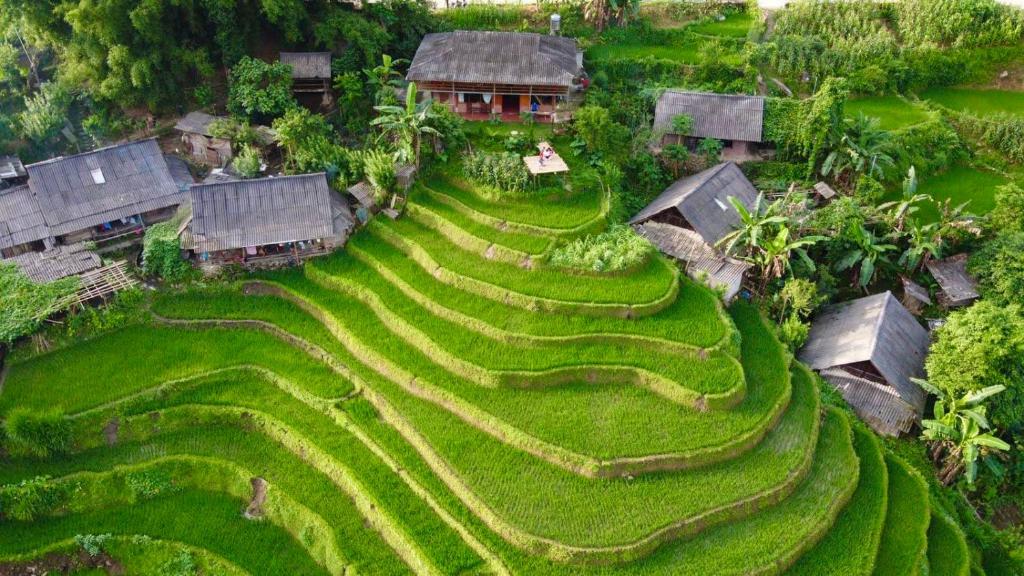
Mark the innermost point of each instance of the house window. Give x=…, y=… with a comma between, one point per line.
x=97, y=176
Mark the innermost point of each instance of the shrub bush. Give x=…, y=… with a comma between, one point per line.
x=248, y=162
x=504, y=173
x=32, y=498
x=260, y=90
x=1008, y=214
x=31, y=432
x=620, y=248
x=379, y=168
x=92, y=543
x=999, y=267
x=161, y=253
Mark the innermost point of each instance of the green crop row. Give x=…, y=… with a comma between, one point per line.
x=947, y=547
x=693, y=321
x=860, y=522
x=713, y=379
x=570, y=216
x=649, y=290
x=493, y=232
x=905, y=533
x=465, y=240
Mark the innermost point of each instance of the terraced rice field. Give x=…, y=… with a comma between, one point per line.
x=978, y=101
x=434, y=399
x=893, y=112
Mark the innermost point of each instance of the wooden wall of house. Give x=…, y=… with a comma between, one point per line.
x=212, y=151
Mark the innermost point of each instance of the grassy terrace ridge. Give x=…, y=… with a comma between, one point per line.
x=861, y=521
x=511, y=239
x=905, y=534
x=558, y=214
x=213, y=524
x=136, y=554
x=947, y=547
x=649, y=289
x=665, y=427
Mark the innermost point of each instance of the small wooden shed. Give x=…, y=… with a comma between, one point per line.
x=958, y=288
x=735, y=119
x=311, y=71
x=869, y=349
x=199, y=143
x=12, y=171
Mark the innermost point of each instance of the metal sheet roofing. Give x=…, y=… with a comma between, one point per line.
x=875, y=329
x=495, y=58
x=21, y=219
x=56, y=263
x=721, y=116
x=11, y=167
x=246, y=213
x=197, y=123
x=703, y=262
x=958, y=287
x=703, y=200
x=85, y=190
x=307, y=65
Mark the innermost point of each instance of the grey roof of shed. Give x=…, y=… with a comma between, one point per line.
x=21, y=220
x=958, y=287
x=495, y=57
x=11, y=167
x=197, y=123
x=703, y=262
x=245, y=213
x=721, y=116
x=875, y=329
x=180, y=173
x=84, y=190
x=307, y=65
x=56, y=263
x=824, y=190
x=703, y=200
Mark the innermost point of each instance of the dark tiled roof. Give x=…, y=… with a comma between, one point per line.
x=21, y=220
x=306, y=65
x=265, y=211
x=88, y=189
x=703, y=200
x=56, y=263
x=875, y=329
x=721, y=116
x=495, y=57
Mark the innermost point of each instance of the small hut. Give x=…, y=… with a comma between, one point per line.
x=824, y=192
x=691, y=216
x=915, y=296
x=735, y=119
x=267, y=221
x=311, y=71
x=199, y=143
x=12, y=171
x=957, y=287
x=56, y=263
x=869, y=349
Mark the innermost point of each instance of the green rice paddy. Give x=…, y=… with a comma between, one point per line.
x=434, y=399
x=960, y=184
x=983, y=102
x=893, y=112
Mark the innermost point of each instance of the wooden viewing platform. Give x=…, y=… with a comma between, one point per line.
x=552, y=165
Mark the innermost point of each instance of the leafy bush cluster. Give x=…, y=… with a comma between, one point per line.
x=161, y=253
x=620, y=248
x=379, y=168
x=92, y=543
x=248, y=161
x=181, y=564
x=37, y=433
x=259, y=89
x=504, y=172
x=148, y=483
x=32, y=498
x=1003, y=133
x=127, y=307
x=26, y=304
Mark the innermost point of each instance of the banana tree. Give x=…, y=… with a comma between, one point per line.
x=405, y=126
x=868, y=253
x=958, y=431
x=900, y=210
x=755, y=224
x=775, y=253
x=923, y=244
x=862, y=149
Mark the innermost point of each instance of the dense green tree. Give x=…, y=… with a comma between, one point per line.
x=598, y=135
x=45, y=113
x=260, y=90
x=405, y=126
x=999, y=268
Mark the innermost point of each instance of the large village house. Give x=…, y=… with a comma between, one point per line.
x=266, y=221
x=736, y=120
x=690, y=218
x=480, y=74
x=869, y=349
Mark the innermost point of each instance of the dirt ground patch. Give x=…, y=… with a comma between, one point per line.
x=62, y=563
x=259, y=496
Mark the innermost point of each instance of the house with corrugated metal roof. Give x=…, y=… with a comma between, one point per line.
x=870, y=349
x=735, y=119
x=690, y=218
x=498, y=74
x=266, y=221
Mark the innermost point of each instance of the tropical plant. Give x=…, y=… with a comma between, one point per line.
x=867, y=254
x=45, y=112
x=775, y=251
x=248, y=162
x=862, y=150
x=384, y=78
x=405, y=126
x=620, y=248
x=504, y=172
x=259, y=89
x=899, y=210
x=379, y=168
x=958, y=431
x=755, y=224
x=923, y=244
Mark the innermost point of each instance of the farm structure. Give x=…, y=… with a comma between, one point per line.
x=499, y=74
x=736, y=120
x=957, y=287
x=690, y=218
x=107, y=196
x=266, y=222
x=311, y=71
x=199, y=143
x=12, y=171
x=869, y=349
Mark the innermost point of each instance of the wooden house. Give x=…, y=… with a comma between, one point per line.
x=266, y=221
x=691, y=216
x=737, y=120
x=202, y=146
x=106, y=194
x=957, y=287
x=869, y=349
x=480, y=74
x=311, y=71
